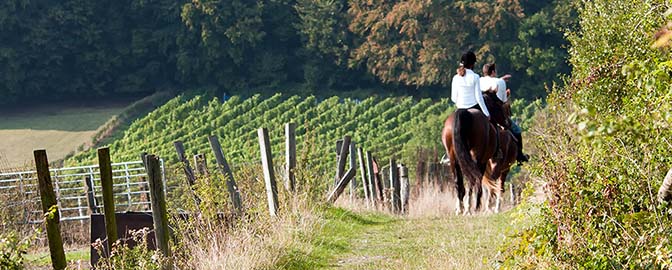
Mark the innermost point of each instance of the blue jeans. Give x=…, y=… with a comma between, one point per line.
x=515, y=128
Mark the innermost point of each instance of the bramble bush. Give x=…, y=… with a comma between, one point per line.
x=603, y=145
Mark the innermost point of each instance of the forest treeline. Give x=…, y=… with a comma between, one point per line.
x=81, y=48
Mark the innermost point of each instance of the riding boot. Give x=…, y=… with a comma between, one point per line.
x=520, y=157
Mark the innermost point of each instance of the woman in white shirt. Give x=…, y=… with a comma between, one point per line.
x=465, y=88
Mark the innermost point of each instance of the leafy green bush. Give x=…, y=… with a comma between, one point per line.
x=12, y=249
x=602, y=148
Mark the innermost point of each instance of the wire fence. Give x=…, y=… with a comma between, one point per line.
x=131, y=192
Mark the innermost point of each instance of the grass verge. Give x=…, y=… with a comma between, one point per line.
x=75, y=259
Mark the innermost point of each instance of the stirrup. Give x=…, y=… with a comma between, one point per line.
x=445, y=159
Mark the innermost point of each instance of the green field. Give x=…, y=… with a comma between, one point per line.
x=59, y=128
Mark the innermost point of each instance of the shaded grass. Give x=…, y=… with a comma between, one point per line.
x=63, y=118
x=349, y=240
x=41, y=260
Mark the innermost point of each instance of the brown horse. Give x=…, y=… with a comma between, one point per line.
x=498, y=168
x=470, y=141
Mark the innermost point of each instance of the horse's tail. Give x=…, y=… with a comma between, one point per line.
x=463, y=123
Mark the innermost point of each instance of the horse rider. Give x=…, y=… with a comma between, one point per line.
x=490, y=82
x=465, y=88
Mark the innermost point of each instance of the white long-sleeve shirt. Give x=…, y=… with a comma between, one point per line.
x=466, y=92
x=492, y=82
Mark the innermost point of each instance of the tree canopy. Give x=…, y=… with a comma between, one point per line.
x=92, y=48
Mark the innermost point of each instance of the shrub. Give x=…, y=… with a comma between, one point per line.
x=603, y=147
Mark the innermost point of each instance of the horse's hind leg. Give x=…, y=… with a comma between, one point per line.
x=500, y=190
x=479, y=189
x=459, y=184
x=487, y=193
x=467, y=200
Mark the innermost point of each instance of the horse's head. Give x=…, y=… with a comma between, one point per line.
x=499, y=114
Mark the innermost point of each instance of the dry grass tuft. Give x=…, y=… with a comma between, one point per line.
x=431, y=201
x=254, y=242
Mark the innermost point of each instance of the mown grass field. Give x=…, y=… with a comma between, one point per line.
x=59, y=128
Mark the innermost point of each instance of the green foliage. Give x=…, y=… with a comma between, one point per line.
x=83, y=48
x=381, y=125
x=123, y=256
x=523, y=112
x=539, y=56
x=76, y=48
x=413, y=42
x=603, y=146
x=12, y=250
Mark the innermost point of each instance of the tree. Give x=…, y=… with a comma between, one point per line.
x=540, y=54
x=417, y=42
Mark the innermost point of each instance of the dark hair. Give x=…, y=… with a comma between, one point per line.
x=488, y=69
x=468, y=60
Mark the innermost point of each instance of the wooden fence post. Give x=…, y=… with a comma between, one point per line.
x=396, y=187
x=201, y=164
x=290, y=158
x=108, y=195
x=158, y=200
x=143, y=157
x=342, y=157
x=405, y=185
x=371, y=175
x=353, y=165
x=342, y=183
x=90, y=197
x=188, y=171
x=50, y=209
x=377, y=181
x=234, y=193
x=191, y=178
x=365, y=184
x=269, y=175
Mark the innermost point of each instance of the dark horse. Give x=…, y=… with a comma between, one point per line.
x=470, y=141
x=498, y=168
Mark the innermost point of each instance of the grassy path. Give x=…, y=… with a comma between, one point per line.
x=350, y=240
